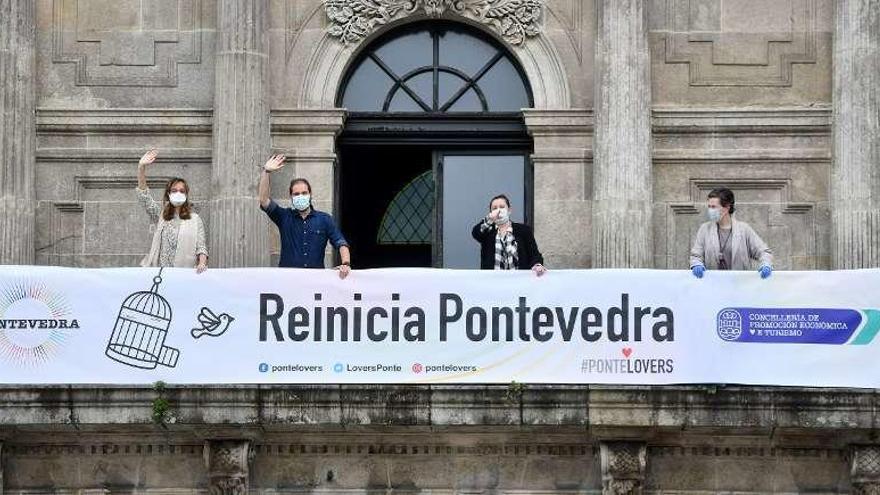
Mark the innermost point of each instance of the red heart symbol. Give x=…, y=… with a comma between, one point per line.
x=627, y=351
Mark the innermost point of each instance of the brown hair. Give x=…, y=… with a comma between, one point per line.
x=168, y=208
x=725, y=197
x=500, y=196
x=299, y=180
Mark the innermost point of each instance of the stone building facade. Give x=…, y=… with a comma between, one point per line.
x=636, y=109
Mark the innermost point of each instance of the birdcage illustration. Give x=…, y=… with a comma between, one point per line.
x=138, y=338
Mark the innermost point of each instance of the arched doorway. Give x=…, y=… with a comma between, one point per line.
x=434, y=130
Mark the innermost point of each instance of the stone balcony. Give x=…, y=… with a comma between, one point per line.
x=474, y=439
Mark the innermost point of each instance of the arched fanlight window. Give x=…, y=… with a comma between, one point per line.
x=407, y=220
x=435, y=67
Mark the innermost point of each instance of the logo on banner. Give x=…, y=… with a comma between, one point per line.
x=35, y=322
x=798, y=325
x=729, y=324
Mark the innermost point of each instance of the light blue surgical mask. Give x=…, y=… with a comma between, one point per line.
x=301, y=202
x=714, y=214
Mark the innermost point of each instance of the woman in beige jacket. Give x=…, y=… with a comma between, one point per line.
x=179, y=239
x=723, y=243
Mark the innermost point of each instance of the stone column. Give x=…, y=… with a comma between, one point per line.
x=227, y=462
x=623, y=467
x=855, y=181
x=238, y=229
x=17, y=131
x=622, y=184
x=865, y=469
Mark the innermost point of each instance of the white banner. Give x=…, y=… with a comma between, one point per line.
x=261, y=325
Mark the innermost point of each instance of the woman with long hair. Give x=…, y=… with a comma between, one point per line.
x=179, y=240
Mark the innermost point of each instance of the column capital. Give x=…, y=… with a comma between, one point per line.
x=228, y=463
x=865, y=468
x=623, y=467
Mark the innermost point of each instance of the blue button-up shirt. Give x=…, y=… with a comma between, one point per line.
x=303, y=240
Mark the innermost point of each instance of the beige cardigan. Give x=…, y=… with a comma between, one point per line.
x=745, y=245
x=185, y=255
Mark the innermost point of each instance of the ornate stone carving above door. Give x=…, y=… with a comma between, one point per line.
x=514, y=20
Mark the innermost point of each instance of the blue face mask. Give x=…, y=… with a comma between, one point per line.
x=301, y=202
x=714, y=214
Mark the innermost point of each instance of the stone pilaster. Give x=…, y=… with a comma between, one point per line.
x=17, y=131
x=228, y=466
x=238, y=229
x=865, y=469
x=623, y=467
x=855, y=181
x=622, y=184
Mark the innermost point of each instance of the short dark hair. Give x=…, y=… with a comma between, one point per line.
x=500, y=196
x=299, y=180
x=725, y=197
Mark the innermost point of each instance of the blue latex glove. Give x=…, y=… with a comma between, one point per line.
x=765, y=271
x=698, y=270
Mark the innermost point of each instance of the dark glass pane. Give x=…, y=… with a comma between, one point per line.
x=468, y=183
x=448, y=86
x=469, y=102
x=367, y=88
x=423, y=85
x=464, y=52
x=401, y=102
x=503, y=88
x=407, y=52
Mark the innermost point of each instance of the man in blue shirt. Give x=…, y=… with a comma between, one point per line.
x=304, y=230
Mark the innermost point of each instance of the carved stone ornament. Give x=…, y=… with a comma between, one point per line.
x=515, y=20
x=623, y=467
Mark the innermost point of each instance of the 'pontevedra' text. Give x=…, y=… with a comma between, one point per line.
x=391, y=322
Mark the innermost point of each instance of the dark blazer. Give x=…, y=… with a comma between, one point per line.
x=527, y=253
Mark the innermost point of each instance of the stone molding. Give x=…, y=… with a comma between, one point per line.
x=710, y=63
x=757, y=121
x=105, y=64
x=514, y=20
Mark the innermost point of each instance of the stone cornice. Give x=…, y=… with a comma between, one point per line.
x=599, y=411
x=813, y=120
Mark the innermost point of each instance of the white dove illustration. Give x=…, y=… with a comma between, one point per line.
x=212, y=324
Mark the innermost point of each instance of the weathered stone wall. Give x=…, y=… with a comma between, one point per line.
x=474, y=439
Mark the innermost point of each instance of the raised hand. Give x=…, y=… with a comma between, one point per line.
x=275, y=162
x=148, y=158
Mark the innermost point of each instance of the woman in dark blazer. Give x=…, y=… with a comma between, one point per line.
x=506, y=245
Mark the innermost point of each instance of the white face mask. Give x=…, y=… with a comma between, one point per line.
x=301, y=202
x=177, y=198
x=503, y=216
x=714, y=214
